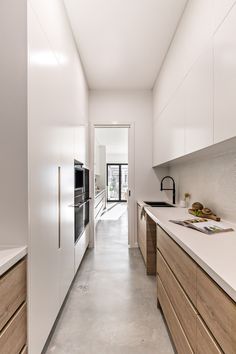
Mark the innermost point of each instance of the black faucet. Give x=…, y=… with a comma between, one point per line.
x=169, y=189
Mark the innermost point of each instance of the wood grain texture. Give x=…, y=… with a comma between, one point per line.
x=205, y=341
x=184, y=310
x=12, y=291
x=142, y=235
x=180, y=340
x=151, y=246
x=218, y=311
x=184, y=268
x=24, y=350
x=13, y=336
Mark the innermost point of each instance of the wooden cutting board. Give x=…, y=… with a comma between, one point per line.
x=210, y=216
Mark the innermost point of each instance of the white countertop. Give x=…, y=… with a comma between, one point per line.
x=10, y=255
x=216, y=254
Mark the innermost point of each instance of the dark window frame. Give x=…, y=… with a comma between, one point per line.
x=118, y=200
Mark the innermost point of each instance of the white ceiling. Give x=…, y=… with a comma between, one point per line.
x=122, y=43
x=115, y=139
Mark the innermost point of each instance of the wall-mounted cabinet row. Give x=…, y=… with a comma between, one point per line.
x=202, y=110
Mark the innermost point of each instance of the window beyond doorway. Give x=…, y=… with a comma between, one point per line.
x=117, y=182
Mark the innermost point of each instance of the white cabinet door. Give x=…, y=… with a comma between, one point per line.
x=66, y=209
x=81, y=151
x=220, y=10
x=225, y=79
x=81, y=247
x=198, y=92
x=43, y=159
x=168, y=138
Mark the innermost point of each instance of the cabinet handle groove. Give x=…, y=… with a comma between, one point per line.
x=59, y=207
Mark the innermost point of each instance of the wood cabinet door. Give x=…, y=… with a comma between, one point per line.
x=218, y=311
x=180, y=340
x=12, y=291
x=184, y=268
x=184, y=310
x=205, y=342
x=142, y=239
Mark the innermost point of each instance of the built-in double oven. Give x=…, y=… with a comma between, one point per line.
x=81, y=199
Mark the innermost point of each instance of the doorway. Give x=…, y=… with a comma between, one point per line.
x=113, y=178
x=117, y=182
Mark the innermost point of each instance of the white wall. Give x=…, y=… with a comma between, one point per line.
x=211, y=181
x=13, y=122
x=117, y=158
x=128, y=107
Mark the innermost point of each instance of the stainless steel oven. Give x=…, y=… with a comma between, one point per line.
x=81, y=199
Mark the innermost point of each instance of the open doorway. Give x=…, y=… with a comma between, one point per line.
x=112, y=183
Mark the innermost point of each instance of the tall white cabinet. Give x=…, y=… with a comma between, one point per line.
x=44, y=127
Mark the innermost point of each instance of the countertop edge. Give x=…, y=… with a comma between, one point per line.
x=12, y=260
x=97, y=195
x=220, y=282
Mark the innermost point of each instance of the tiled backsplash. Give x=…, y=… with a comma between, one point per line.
x=211, y=181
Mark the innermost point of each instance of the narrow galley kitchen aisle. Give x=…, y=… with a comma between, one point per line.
x=111, y=308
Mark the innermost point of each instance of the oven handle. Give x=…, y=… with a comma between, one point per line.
x=79, y=204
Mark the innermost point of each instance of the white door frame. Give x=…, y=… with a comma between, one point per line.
x=131, y=185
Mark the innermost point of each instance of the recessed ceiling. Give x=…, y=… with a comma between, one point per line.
x=115, y=139
x=122, y=43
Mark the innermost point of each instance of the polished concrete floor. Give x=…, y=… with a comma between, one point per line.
x=111, y=308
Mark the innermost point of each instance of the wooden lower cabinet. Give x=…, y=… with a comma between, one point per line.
x=13, y=313
x=208, y=322
x=205, y=341
x=218, y=312
x=12, y=291
x=13, y=336
x=181, y=264
x=183, y=308
x=147, y=240
x=181, y=342
x=142, y=233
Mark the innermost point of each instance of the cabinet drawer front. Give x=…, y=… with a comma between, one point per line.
x=13, y=336
x=218, y=312
x=181, y=343
x=184, y=268
x=12, y=292
x=142, y=239
x=205, y=341
x=181, y=304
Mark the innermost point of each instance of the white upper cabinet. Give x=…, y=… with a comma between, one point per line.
x=206, y=41
x=220, y=10
x=225, y=79
x=81, y=151
x=198, y=88
x=169, y=131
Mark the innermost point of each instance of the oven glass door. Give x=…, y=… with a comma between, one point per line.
x=79, y=220
x=86, y=213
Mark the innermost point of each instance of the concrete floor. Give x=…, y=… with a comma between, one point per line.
x=111, y=308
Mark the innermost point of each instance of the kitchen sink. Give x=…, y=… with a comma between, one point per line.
x=159, y=204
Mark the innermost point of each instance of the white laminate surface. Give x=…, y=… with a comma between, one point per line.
x=216, y=254
x=10, y=256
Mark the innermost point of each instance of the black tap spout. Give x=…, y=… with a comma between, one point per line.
x=169, y=189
